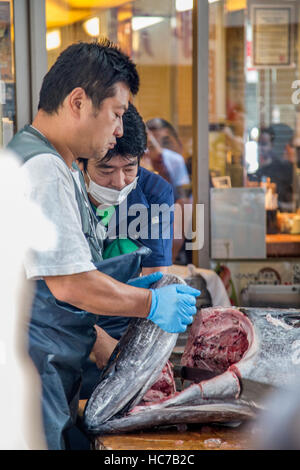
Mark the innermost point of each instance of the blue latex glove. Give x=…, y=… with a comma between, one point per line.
x=145, y=281
x=173, y=307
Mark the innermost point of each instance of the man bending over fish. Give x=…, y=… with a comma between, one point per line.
x=115, y=184
x=80, y=114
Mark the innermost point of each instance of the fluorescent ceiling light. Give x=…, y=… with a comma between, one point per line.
x=212, y=1
x=92, y=27
x=53, y=40
x=184, y=5
x=140, y=22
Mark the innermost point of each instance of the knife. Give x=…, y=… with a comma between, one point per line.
x=193, y=374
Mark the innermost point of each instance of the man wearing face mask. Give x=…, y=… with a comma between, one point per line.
x=115, y=184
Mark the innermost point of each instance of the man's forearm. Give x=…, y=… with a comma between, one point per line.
x=98, y=293
x=103, y=347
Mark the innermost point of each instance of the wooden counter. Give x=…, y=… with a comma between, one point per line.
x=191, y=437
x=195, y=438
x=283, y=244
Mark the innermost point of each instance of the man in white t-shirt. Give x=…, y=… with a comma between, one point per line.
x=82, y=101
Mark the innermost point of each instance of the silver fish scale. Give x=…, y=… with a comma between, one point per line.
x=277, y=358
x=133, y=368
x=210, y=412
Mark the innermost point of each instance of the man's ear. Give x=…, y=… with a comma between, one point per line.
x=76, y=101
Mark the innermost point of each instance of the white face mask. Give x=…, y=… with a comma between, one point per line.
x=108, y=196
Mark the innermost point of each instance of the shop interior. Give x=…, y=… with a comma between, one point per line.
x=253, y=133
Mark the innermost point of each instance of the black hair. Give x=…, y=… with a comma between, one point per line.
x=159, y=123
x=133, y=143
x=280, y=135
x=266, y=130
x=96, y=67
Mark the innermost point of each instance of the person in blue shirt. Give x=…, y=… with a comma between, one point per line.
x=119, y=169
x=124, y=228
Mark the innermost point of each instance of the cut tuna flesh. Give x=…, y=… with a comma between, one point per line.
x=163, y=388
x=218, y=339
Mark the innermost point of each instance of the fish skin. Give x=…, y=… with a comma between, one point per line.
x=133, y=368
x=208, y=412
x=274, y=356
x=271, y=359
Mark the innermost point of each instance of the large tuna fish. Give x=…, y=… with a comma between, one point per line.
x=134, y=367
x=235, y=356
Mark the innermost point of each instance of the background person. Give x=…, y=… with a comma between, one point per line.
x=165, y=149
x=166, y=143
x=274, y=150
x=82, y=101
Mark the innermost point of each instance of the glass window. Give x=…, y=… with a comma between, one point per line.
x=156, y=35
x=7, y=73
x=254, y=103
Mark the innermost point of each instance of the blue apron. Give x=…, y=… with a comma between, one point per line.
x=61, y=336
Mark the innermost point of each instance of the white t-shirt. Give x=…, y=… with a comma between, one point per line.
x=176, y=167
x=50, y=186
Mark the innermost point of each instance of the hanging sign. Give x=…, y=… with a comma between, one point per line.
x=273, y=35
